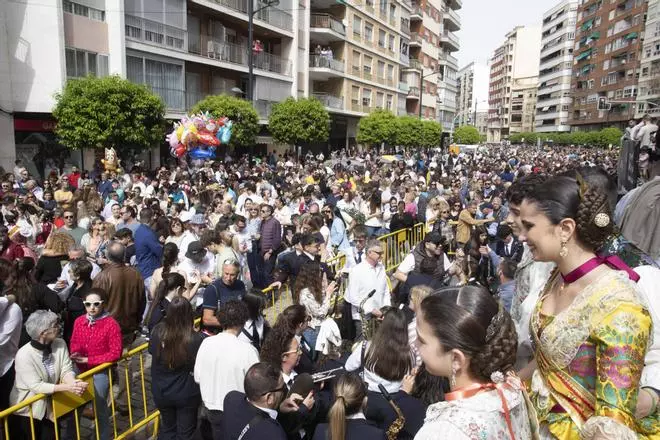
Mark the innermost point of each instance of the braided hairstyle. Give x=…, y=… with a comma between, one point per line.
x=460, y=318
x=564, y=197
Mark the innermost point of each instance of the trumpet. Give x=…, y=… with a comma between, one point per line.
x=397, y=425
x=367, y=324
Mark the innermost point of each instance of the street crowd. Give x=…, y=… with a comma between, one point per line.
x=529, y=309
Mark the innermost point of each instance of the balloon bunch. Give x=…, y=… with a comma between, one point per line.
x=199, y=136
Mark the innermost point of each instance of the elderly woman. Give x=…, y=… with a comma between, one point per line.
x=42, y=367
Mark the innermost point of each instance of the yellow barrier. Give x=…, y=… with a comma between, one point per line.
x=395, y=248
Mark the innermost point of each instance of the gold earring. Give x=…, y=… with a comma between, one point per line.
x=563, y=252
x=452, y=379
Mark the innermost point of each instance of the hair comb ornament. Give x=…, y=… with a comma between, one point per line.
x=602, y=220
x=495, y=323
x=583, y=187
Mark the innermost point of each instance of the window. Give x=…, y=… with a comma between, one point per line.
x=164, y=79
x=366, y=97
x=357, y=25
x=381, y=38
x=390, y=72
x=383, y=7
x=388, y=102
x=83, y=11
x=381, y=70
x=380, y=97
x=392, y=12
x=80, y=63
x=391, y=43
x=368, y=32
x=366, y=65
x=356, y=62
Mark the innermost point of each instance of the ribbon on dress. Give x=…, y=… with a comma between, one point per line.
x=612, y=261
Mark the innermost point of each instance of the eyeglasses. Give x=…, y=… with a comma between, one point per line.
x=267, y=211
x=281, y=389
x=68, y=216
x=297, y=351
x=444, y=212
x=92, y=304
x=377, y=252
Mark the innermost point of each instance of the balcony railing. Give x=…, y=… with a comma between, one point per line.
x=327, y=21
x=451, y=37
x=417, y=10
x=405, y=59
x=415, y=37
x=330, y=101
x=152, y=32
x=413, y=91
x=357, y=107
x=453, y=15
x=326, y=63
x=263, y=108
x=415, y=64
x=271, y=15
x=272, y=63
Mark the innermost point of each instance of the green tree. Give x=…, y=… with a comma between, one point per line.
x=610, y=136
x=431, y=134
x=304, y=120
x=580, y=138
x=409, y=131
x=108, y=112
x=516, y=138
x=466, y=134
x=377, y=127
x=243, y=116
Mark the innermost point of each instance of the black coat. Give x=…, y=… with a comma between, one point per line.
x=239, y=413
x=356, y=429
x=382, y=415
x=516, y=253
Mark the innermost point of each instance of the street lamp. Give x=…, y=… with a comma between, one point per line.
x=421, y=88
x=251, y=14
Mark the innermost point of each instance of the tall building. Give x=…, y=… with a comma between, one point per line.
x=513, y=83
x=432, y=67
x=350, y=55
x=606, y=53
x=648, y=94
x=555, y=69
x=472, y=96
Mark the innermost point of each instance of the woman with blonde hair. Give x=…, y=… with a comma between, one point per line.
x=346, y=419
x=55, y=253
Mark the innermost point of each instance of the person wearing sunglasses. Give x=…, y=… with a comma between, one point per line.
x=96, y=339
x=70, y=226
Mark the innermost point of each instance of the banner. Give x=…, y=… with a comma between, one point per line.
x=627, y=171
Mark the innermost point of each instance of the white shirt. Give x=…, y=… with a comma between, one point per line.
x=408, y=264
x=221, y=364
x=67, y=277
x=363, y=279
x=372, y=379
x=11, y=323
x=288, y=378
x=259, y=323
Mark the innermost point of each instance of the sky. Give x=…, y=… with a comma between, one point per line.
x=485, y=22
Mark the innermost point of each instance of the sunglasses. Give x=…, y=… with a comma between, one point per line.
x=265, y=210
x=68, y=216
x=281, y=389
x=378, y=252
x=92, y=304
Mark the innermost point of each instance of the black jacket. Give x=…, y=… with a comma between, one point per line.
x=239, y=413
x=516, y=250
x=401, y=221
x=382, y=415
x=356, y=429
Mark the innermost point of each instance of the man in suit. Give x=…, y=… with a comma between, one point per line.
x=253, y=415
x=508, y=246
x=269, y=243
x=289, y=265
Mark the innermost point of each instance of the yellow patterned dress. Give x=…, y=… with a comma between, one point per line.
x=590, y=359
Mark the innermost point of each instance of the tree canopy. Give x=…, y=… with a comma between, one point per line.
x=108, y=112
x=377, y=127
x=240, y=112
x=603, y=138
x=303, y=120
x=466, y=134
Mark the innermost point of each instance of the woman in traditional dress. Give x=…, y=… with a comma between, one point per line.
x=589, y=329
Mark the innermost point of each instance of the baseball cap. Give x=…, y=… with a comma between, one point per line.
x=195, y=249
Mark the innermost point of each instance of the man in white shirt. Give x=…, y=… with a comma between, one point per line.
x=367, y=276
x=222, y=362
x=11, y=323
x=643, y=135
x=198, y=265
x=357, y=253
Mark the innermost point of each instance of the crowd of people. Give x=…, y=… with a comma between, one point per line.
x=528, y=310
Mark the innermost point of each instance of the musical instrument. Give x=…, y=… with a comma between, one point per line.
x=367, y=324
x=322, y=376
x=397, y=425
x=337, y=299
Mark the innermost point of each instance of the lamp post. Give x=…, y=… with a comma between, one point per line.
x=251, y=13
x=421, y=87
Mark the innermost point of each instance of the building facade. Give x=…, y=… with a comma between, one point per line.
x=431, y=75
x=607, y=63
x=472, y=96
x=648, y=93
x=555, y=68
x=513, y=82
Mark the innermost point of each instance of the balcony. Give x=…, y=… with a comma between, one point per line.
x=405, y=26
x=413, y=93
x=154, y=33
x=326, y=28
x=360, y=108
x=329, y=101
x=415, y=39
x=404, y=87
x=405, y=59
x=450, y=41
x=450, y=20
x=417, y=14
x=321, y=68
x=455, y=4
x=272, y=15
x=414, y=65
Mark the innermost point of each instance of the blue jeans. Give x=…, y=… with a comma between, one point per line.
x=311, y=334
x=101, y=391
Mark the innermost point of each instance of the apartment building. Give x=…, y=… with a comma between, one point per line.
x=513, y=83
x=648, y=94
x=472, y=96
x=555, y=69
x=431, y=74
x=608, y=43
x=357, y=54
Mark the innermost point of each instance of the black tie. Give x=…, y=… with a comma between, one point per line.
x=359, y=257
x=289, y=383
x=255, y=335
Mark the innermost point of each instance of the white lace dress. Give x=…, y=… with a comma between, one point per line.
x=480, y=417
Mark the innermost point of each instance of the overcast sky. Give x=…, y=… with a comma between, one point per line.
x=485, y=22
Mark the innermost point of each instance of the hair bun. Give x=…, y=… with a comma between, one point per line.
x=593, y=220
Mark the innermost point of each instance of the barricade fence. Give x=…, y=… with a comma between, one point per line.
x=131, y=407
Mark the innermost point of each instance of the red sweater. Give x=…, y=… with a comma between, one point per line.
x=100, y=342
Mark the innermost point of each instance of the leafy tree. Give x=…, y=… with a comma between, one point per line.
x=239, y=111
x=580, y=138
x=377, y=127
x=466, y=134
x=409, y=131
x=304, y=120
x=431, y=134
x=610, y=136
x=108, y=112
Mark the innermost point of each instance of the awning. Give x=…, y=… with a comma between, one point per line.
x=587, y=24
x=583, y=55
x=595, y=36
x=587, y=68
x=631, y=35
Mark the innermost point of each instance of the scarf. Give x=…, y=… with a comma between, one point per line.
x=45, y=349
x=91, y=320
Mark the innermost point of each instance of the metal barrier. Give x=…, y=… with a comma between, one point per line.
x=134, y=366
